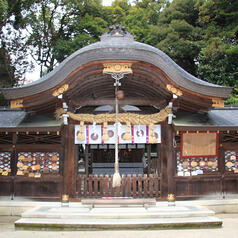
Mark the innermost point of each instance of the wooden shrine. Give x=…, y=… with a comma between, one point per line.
x=175, y=138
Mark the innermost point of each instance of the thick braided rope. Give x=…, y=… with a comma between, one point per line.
x=136, y=119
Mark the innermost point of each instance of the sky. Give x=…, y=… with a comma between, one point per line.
x=107, y=2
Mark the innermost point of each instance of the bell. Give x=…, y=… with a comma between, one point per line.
x=120, y=95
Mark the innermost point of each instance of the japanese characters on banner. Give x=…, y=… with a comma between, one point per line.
x=94, y=134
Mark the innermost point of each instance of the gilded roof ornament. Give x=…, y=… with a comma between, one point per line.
x=117, y=31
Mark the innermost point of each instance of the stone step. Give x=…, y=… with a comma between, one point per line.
x=85, y=217
x=123, y=201
x=117, y=212
x=115, y=224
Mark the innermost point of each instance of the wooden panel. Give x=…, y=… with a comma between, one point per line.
x=38, y=188
x=198, y=186
x=230, y=184
x=6, y=186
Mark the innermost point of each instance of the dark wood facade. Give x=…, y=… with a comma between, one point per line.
x=41, y=160
x=217, y=181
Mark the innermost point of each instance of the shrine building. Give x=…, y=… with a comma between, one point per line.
x=170, y=130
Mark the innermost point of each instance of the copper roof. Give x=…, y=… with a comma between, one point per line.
x=225, y=118
x=121, y=46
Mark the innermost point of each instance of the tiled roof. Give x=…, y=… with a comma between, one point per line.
x=20, y=119
x=213, y=119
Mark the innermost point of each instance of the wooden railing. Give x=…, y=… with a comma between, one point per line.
x=133, y=186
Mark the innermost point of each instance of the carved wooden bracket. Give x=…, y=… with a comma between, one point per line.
x=218, y=102
x=60, y=90
x=174, y=90
x=17, y=103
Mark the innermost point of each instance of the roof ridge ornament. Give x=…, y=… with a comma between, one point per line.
x=117, y=32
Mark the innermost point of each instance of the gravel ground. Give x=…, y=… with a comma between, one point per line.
x=229, y=229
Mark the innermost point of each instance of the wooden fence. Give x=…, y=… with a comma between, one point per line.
x=133, y=186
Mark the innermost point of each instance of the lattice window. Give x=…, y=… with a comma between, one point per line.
x=34, y=164
x=5, y=163
x=231, y=161
x=196, y=166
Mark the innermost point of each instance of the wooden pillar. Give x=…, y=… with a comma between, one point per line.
x=221, y=155
x=62, y=151
x=86, y=159
x=149, y=159
x=221, y=163
x=163, y=158
x=170, y=160
x=76, y=161
x=14, y=155
x=69, y=162
x=13, y=165
x=158, y=147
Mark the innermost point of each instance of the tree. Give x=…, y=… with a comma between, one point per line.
x=217, y=62
x=60, y=27
x=12, y=45
x=178, y=33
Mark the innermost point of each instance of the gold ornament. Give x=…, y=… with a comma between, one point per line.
x=17, y=103
x=127, y=135
x=105, y=133
x=81, y=132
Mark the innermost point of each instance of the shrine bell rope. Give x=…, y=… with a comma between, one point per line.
x=127, y=118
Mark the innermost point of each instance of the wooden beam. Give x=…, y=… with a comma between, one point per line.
x=205, y=128
x=126, y=101
x=38, y=147
x=31, y=129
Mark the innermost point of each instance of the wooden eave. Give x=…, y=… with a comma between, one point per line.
x=82, y=71
x=89, y=86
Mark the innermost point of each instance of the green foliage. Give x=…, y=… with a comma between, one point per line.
x=142, y=19
x=88, y=33
x=61, y=28
x=217, y=62
x=13, y=55
x=178, y=33
x=200, y=35
x=3, y=9
x=3, y=101
x=218, y=68
x=6, y=70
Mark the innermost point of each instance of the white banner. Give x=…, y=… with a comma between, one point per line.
x=94, y=134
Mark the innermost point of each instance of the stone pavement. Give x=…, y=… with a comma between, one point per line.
x=229, y=230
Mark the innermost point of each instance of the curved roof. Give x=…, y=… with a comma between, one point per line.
x=119, y=46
